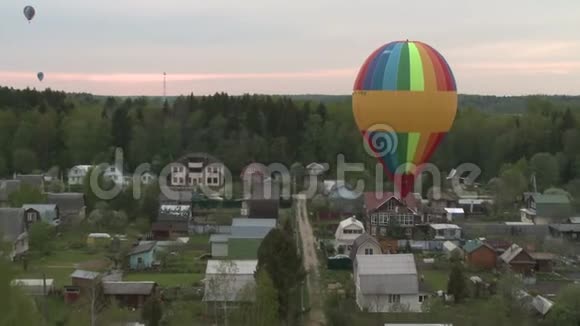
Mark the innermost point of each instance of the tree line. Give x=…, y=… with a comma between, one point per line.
x=40, y=130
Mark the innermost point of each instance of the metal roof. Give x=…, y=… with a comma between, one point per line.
x=11, y=223
x=142, y=248
x=218, y=237
x=131, y=288
x=454, y=210
x=566, y=227
x=574, y=220
x=239, y=267
x=386, y=264
x=88, y=275
x=32, y=282
x=511, y=253
x=265, y=222
x=444, y=226
x=551, y=199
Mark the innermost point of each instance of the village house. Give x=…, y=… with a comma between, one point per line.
x=83, y=282
x=230, y=281
x=569, y=232
x=244, y=240
x=142, y=256
x=35, y=181
x=35, y=287
x=71, y=205
x=129, y=294
x=475, y=205
x=47, y=213
x=347, y=231
x=546, y=209
x=445, y=232
x=518, y=260
x=77, y=174
x=196, y=169
x=173, y=221
x=8, y=187
x=544, y=261
x=480, y=255
x=384, y=209
x=450, y=249
x=387, y=283
x=365, y=245
x=13, y=231
x=100, y=240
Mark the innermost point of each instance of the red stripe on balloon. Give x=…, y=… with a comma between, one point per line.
x=433, y=143
x=360, y=78
x=449, y=83
x=437, y=66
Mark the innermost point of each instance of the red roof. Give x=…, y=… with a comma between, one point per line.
x=372, y=202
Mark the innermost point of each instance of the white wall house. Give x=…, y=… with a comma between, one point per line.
x=387, y=283
x=229, y=281
x=348, y=230
x=193, y=174
x=445, y=231
x=115, y=174
x=219, y=245
x=365, y=244
x=76, y=175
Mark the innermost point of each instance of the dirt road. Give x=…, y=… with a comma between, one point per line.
x=310, y=259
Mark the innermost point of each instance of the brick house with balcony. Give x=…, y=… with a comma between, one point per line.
x=384, y=210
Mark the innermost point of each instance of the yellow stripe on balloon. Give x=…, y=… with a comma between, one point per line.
x=405, y=111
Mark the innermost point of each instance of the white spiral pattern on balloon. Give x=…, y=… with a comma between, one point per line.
x=381, y=140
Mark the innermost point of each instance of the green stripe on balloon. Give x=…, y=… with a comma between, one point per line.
x=417, y=78
x=401, y=148
x=404, y=73
x=412, y=142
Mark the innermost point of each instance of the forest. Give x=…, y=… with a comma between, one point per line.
x=40, y=130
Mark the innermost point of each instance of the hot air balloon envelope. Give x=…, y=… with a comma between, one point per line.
x=404, y=102
x=29, y=12
x=40, y=76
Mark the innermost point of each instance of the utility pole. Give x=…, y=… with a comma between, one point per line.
x=164, y=87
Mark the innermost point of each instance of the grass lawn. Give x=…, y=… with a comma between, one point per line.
x=165, y=279
x=437, y=279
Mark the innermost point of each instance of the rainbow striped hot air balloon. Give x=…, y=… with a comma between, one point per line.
x=404, y=102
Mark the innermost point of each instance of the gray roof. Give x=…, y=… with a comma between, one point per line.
x=387, y=274
x=252, y=227
x=511, y=253
x=131, y=288
x=574, y=220
x=142, y=248
x=216, y=237
x=11, y=223
x=359, y=241
x=47, y=211
x=67, y=202
x=32, y=180
x=225, y=282
x=7, y=187
x=88, y=275
x=566, y=227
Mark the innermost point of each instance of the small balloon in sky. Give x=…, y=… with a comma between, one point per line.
x=29, y=13
x=40, y=76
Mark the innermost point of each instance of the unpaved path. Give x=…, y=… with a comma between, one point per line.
x=310, y=258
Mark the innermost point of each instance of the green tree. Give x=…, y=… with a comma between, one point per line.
x=264, y=309
x=40, y=238
x=278, y=256
x=457, y=285
x=545, y=168
x=26, y=195
x=566, y=310
x=24, y=160
x=16, y=308
x=152, y=311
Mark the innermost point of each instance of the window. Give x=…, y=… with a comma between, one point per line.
x=368, y=251
x=394, y=298
x=30, y=217
x=215, y=181
x=174, y=180
x=139, y=260
x=208, y=181
x=181, y=180
x=422, y=298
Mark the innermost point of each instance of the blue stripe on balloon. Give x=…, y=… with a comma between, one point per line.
x=379, y=72
x=392, y=68
x=372, y=66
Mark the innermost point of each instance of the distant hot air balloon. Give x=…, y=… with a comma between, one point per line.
x=29, y=12
x=404, y=102
x=40, y=76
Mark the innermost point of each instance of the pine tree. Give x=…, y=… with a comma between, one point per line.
x=457, y=285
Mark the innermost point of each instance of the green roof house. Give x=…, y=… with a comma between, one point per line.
x=546, y=209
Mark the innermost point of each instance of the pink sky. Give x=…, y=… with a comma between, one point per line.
x=122, y=47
